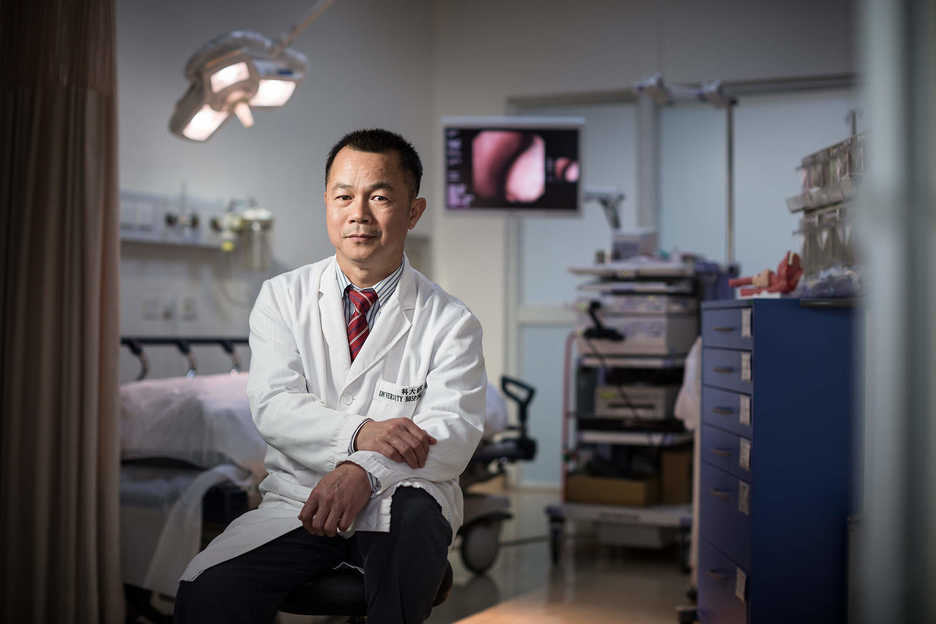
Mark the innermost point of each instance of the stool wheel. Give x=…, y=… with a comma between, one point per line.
x=480, y=545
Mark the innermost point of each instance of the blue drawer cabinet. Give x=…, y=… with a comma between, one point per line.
x=776, y=442
x=724, y=502
x=720, y=583
x=728, y=451
x=728, y=368
x=728, y=327
x=727, y=410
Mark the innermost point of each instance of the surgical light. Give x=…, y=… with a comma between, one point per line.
x=273, y=93
x=204, y=123
x=237, y=71
x=243, y=114
x=226, y=76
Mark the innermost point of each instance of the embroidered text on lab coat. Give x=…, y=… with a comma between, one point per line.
x=407, y=394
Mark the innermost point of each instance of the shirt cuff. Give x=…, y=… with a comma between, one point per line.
x=352, y=444
x=374, y=483
x=371, y=479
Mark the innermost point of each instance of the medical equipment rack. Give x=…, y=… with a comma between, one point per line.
x=684, y=277
x=666, y=520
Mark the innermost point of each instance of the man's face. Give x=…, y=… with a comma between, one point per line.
x=369, y=208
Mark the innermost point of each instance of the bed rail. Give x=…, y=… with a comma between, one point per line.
x=184, y=345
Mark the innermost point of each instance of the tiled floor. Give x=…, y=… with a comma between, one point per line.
x=594, y=583
x=596, y=586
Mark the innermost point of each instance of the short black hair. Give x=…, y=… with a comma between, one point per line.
x=380, y=141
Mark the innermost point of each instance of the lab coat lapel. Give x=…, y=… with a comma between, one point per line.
x=393, y=322
x=331, y=311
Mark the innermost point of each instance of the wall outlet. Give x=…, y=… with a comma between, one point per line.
x=151, y=309
x=189, y=310
x=168, y=309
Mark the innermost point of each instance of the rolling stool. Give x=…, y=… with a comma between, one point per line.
x=341, y=592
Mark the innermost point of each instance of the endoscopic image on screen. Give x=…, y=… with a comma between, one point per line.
x=514, y=169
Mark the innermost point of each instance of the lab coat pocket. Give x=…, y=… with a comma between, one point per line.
x=393, y=400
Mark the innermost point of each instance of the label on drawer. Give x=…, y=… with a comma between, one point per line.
x=745, y=367
x=746, y=323
x=744, y=453
x=740, y=584
x=744, y=411
x=744, y=498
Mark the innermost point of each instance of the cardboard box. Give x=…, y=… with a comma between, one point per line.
x=608, y=491
x=676, y=475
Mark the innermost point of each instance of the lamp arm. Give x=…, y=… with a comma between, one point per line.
x=313, y=15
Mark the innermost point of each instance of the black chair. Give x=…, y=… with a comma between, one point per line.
x=341, y=592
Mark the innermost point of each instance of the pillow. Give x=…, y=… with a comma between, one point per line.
x=203, y=420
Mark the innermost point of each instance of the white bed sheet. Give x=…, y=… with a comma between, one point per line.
x=204, y=421
x=161, y=520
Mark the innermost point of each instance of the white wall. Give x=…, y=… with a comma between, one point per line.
x=369, y=65
x=771, y=135
x=488, y=51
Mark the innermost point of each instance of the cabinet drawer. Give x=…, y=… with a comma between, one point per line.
x=725, y=503
x=731, y=327
x=728, y=451
x=728, y=369
x=720, y=582
x=727, y=410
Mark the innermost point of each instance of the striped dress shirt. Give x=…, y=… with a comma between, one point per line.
x=384, y=288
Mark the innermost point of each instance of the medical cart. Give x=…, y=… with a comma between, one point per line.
x=623, y=366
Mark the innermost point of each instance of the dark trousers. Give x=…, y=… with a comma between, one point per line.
x=402, y=569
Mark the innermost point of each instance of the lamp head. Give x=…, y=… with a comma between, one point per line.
x=229, y=75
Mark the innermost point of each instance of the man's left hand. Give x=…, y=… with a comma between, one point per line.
x=336, y=501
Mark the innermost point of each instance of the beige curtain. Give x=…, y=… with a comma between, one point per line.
x=59, y=250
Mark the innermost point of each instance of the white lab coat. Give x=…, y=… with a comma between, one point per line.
x=422, y=360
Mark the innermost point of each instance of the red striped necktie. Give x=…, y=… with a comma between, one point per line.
x=362, y=300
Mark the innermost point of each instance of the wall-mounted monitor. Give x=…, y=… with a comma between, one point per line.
x=517, y=164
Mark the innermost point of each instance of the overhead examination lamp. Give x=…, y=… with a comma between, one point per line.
x=238, y=71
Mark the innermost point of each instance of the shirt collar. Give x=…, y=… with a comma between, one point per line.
x=384, y=288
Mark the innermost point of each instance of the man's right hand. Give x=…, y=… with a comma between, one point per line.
x=400, y=439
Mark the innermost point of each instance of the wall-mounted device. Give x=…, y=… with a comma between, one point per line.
x=194, y=222
x=244, y=218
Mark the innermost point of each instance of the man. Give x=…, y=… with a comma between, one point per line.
x=367, y=382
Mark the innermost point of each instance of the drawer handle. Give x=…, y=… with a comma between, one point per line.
x=721, y=452
x=724, y=369
x=724, y=494
x=718, y=576
x=723, y=411
x=725, y=329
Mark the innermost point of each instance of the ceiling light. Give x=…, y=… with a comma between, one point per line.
x=235, y=71
x=228, y=75
x=243, y=114
x=273, y=93
x=204, y=123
